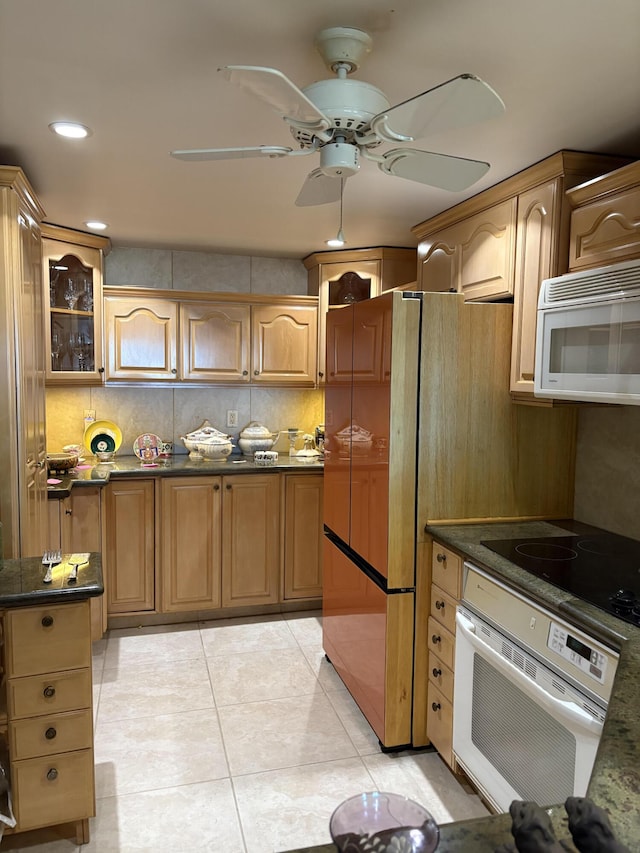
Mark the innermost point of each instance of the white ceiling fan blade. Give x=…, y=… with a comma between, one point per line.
x=231, y=153
x=318, y=188
x=435, y=170
x=462, y=101
x=278, y=91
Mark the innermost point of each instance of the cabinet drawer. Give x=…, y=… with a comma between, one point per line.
x=47, y=639
x=440, y=723
x=441, y=641
x=39, y=736
x=54, y=789
x=441, y=676
x=446, y=569
x=443, y=608
x=49, y=694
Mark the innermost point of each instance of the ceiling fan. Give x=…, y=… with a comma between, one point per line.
x=344, y=119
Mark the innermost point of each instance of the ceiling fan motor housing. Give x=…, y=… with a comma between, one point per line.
x=339, y=159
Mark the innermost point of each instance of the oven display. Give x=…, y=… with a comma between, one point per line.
x=588, y=660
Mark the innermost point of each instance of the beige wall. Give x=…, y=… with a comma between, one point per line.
x=608, y=469
x=171, y=413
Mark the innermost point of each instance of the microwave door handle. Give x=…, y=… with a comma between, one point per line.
x=561, y=710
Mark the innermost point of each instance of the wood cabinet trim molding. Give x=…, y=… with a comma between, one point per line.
x=76, y=238
x=613, y=182
x=351, y=256
x=203, y=296
x=559, y=164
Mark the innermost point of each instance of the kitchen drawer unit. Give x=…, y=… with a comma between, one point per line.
x=441, y=675
x=441, y=642
x=53, y=789
x=440, y=723
x=48, y=693
x=39, y=736
x=446, y=570
x=443, y=608
x=45, y=639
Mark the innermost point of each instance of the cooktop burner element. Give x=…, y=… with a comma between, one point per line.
x=601, y=568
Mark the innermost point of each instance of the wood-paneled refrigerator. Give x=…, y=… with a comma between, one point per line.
x=419, y=428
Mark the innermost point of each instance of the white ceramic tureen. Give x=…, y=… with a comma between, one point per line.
x=207, y=442
x=256, y=436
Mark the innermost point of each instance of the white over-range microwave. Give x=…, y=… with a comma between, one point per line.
x=588, y=336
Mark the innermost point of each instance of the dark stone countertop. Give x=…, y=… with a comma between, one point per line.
x=21, y=582
x=615, y=781
x=92, y=473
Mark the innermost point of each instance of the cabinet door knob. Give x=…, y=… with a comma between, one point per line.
x=47, y=621
x=50, y=733
x=436, y=672
x=52, y=774
x=439, y=605
x=174, y=369
x=436, y=706
x=229, y=486
x=245, y=372
x=68, y=512
x=256, y=373
x=436, y=639
x=441, y=558
x=101, y=370
x=49, y=691
x=216, y=488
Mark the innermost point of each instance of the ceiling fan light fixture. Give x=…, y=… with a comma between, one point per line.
x=96, y=225
x=337, y=241
x=70, y=129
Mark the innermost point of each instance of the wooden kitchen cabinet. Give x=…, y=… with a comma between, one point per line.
x=303, y=544
x=75, y=527
x=191, y=543
x=250, y=539
x=605, y=219
x=47, y=658
x=446, y=585
x=340, y=278
x=474, y=256
x=129, y=549
x=142, y=335
x=504, y=242
x=72, y=273
x=210, y=339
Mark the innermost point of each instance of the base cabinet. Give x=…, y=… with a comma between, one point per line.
x=47, y=658
x=446, y=579
x=303, y=537
x=129, y=552
x=190, y=543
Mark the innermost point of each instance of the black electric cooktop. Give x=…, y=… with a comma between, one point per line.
x=601, y=568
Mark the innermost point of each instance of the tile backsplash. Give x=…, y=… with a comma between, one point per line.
x=172, y=412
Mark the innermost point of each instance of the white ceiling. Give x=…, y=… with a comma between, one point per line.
x=142, y=74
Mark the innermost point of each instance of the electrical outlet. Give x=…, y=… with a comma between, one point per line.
x=89, y=415
x=232, y=417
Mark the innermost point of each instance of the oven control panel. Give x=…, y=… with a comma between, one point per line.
x=588, y=659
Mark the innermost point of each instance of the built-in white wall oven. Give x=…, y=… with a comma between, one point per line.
x=530, y=696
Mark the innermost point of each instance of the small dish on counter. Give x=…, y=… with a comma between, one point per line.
x=147, y=447
x=61, y=462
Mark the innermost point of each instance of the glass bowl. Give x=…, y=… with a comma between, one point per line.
x=380, y=822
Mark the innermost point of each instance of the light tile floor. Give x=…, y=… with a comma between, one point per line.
x=234, y=735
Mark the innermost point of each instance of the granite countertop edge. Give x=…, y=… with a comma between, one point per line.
x=180, y=465
x=21, y=583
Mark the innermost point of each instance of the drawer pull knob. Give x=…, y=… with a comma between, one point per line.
x=47, y=621
x=49, y=691
x=439, y=605
x=52, y=774
x=441, y=558
x=50, y=733
x=435, y=638
x=436, y=706
x=436, y=672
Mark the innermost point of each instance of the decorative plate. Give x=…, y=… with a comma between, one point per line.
x=147, y=446
x=103, y=433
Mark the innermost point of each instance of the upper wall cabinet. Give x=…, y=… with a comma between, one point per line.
x=605, y=219
x=340, y=278
x=72, y=276
x=160, y=336
x=504, y=242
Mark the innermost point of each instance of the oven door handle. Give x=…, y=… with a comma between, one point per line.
x=558, y=708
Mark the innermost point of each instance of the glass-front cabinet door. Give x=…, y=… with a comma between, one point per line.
x=73, y=294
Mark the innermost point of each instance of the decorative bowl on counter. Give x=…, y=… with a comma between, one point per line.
x=216, y=444
x=256, y=436
x=61, y=461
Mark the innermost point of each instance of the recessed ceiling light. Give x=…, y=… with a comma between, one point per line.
x=96, y=225
x=70, y=129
